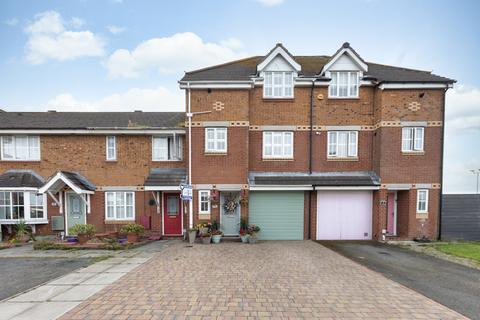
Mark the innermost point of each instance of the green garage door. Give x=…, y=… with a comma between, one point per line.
x=279, y=214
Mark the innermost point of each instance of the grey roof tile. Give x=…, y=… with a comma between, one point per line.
x=21, y=179
x=326, y=179
x=89, y=120
x=166, y=177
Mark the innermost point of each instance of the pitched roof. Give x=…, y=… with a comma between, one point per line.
x=20, y=179
x=166, y=177
x=242, y=70
x=91, y=120
x=324, y=179
x=79, y=180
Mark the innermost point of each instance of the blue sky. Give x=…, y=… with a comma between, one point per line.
x=126, y=55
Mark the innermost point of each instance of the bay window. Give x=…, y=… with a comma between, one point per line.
x=342, y=144
x=344, y=84
x=278, y=84
x=20, y=148
x=278, y=144
x=22, y=205
x=120, y=205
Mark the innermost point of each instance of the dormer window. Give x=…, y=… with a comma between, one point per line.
x=344, y=84
x=278, y=84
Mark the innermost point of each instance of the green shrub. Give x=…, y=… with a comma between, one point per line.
x=50, y=245
x=82, y=228
x=133, y=228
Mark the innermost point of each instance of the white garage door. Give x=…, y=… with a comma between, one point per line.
x=344, y=215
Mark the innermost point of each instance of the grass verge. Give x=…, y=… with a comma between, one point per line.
x=470, y=250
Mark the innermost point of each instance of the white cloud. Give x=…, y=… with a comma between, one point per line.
x=115, y=29
x=76, y=22
x=145, y=99
x=463, y=109
x=180, y=52
x=48, y=39
x=270, y=3
x=12, y=22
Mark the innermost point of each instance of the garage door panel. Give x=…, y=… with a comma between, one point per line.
x=344, y=215
x=279, y=214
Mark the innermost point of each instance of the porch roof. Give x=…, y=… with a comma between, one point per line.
x=73, y=180
x=165, y=179
x=316, y=179
x=25, y=179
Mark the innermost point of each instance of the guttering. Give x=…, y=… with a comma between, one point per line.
x=162, y=188
x=214, y=84
x=414, y=85
x=281, y=187
x=442, y=151
x=92, y=131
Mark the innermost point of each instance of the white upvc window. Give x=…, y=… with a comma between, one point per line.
x=20, y=148
x=412, y=139
x=22, y=205
x=342, y=144
x=422, y=201
x=278, y=84
x=344, y=84
x=216, y=140
x=204, y=201
x=278, y=144
x=111, y=147
x=120, y=205
x=167, y=148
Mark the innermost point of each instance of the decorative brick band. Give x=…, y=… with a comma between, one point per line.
x=227, y=123
x=359, y=127
x=408, y=186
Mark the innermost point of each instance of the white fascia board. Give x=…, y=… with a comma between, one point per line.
x=349, y=188
x=27, y=221
x=279, y=51
x=162, y=188
x=91, y=131
x=202, y=84
x=351, y=54
x=413, y=86
x=60, y=176
x=280, y=188
x=18, y=189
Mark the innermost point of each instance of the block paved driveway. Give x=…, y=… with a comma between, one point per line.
x=282, y=279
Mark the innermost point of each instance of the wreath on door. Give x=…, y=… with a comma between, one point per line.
x=230, y=205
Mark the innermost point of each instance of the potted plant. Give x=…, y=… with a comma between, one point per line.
x=253, y=230
x=22, y=231
x=203, y=228
x=83, y=232
x=244, y=235
x=192, y=233
x=206, y=238
x=133, y=231
x=216, y=236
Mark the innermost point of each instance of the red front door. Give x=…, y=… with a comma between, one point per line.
x=172, y=214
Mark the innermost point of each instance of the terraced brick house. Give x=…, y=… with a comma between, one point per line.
x=306, y=147
x=317, y=147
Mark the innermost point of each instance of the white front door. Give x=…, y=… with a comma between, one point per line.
x=344, y=215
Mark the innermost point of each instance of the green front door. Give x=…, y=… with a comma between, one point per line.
x=75, y=210
x=279, y=214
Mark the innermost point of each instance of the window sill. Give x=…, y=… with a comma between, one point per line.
x=422, y=215
x=31, y=221
x=277, y=159
x=413, y=153
x=278, y=98
x=119, y=221
x=29, y=161
x=113, y=161
x=212, y=153
x=344, y=98
x=343, y=159
x=155, y=160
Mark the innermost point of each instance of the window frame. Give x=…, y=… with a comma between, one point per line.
x=115, y=216
x=216, y=140
x=336, y=144
x=413, y=140
x=107, y=148
x=337, y=84
x=282, y=86
x=178, y=140
x=27, y=206
x=200, y=201
x=14, y=138
x=283, y=134
x=426, y=201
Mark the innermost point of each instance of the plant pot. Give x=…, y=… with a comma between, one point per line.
x=82, y=238
x=132, y=237
x=203, y=230
x=245, y=238
x=191, y=237
x=206, y=240
x=252, y=239
x=216, y=238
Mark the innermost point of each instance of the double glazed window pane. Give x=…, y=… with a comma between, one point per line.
x=342, y=144
x=167, y=148
x=172, y=205
x=412, y=138
x=344, y=84
x=36, y=206
x=120, y=205
x=278, y=84
x=18, y=208
x=5, y=209
x=278, y=144
x=216, y=139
